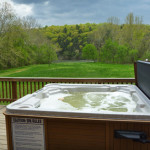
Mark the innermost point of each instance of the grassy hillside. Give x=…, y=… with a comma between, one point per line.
x=72, y=69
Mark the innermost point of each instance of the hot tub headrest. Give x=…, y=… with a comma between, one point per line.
x=143, y=77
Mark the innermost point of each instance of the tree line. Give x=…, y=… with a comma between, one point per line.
x=123, y=43
x=23, y=41
x=70, y=38
x=113, y=42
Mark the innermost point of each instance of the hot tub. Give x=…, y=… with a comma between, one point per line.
x=85, y=101
x=81, y=116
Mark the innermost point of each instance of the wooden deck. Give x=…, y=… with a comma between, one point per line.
x=3, y=141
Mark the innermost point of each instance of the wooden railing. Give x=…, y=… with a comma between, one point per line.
x=12, y=89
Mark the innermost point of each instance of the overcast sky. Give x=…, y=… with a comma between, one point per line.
x=60, y=12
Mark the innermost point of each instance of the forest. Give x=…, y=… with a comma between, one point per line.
x=24, y=42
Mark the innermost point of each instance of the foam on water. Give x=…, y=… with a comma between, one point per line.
x=90, y=102
x=53, y=103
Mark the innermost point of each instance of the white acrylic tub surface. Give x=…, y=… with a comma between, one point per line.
x=50, y=101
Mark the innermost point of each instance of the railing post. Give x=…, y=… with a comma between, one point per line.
x=14, y=90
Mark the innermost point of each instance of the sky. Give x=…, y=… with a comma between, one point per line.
x=61, y=12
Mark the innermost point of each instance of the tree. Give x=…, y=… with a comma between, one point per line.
x=7, y=16
x=21, y=41
x=113, y=20
x=109, y=51
x=112, y=52
x=89, y=52
x=133, y=53
x=104, y=32
x=122, y=54
x=29, y=23
x=146, y=55
x=51, y=52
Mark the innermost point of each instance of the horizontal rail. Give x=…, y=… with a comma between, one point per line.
x=13, y=88
x=69, y=79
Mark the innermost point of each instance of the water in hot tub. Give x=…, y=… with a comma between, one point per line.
x=90, y=102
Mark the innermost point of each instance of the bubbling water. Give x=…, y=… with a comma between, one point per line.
x=90, y=102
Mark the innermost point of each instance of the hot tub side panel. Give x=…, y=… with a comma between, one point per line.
x=86, y=134
x=93, y=134
x=128, y=144
x=76, y=134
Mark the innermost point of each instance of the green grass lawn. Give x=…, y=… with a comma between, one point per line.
x=72, y=69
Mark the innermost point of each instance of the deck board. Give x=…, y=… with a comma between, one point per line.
x=3, y=140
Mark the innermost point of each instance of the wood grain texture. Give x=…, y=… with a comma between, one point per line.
x=83, y=135
x=70, y=80
x=86, y=134
x=3, y=140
